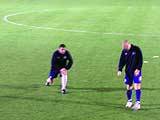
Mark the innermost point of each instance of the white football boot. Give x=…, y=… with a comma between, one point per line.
x=63, y=91
x=137, y=106
x=129, y=104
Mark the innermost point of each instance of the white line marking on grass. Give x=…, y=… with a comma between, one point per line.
x=145, y=62
x=6, y=19
x=155, y=57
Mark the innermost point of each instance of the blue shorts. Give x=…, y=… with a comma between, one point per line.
x=54, y=73
x=135, y=79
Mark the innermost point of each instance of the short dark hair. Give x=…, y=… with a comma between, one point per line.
x=62, y=45
x=126, y=41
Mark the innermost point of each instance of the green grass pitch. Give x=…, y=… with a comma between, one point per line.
x=93, y=31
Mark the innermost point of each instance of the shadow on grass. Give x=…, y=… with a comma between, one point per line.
x=60, y=101
x=107, y=89
x=145, y=107
x=108, y=105
x=96, y=89
x=80, y=89
x=149, y=107
x=20, y=87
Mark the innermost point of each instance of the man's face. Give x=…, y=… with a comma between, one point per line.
x=62, y=50
x=125, y=45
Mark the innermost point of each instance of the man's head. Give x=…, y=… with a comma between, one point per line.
x=126, y=45
x=62, y=48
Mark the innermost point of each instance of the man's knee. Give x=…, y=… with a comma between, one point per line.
x=64, y=72
x=129, y=87
x=137, y=86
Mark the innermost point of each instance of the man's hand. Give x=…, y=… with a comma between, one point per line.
x=63, y=69
x=119, y=73
x=136, y=72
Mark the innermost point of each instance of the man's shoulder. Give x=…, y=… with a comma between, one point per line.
x=135, y=47
x=55, y=52
x=67, y=52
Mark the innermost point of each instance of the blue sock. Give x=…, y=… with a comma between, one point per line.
x=138, y=95
x=129, y=95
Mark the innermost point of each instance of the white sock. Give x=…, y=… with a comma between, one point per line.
x=63, y=82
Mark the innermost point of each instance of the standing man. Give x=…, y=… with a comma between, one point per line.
x=131, y=57
x=60, y=64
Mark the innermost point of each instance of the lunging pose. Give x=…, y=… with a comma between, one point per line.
x=60, y=64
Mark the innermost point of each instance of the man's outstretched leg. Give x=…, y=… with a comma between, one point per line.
x=52, y=75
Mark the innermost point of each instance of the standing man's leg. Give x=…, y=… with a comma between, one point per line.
x=137, y=104
x=129, y=86
x=129, y=92
x=137, y=87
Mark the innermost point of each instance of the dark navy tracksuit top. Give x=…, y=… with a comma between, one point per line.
x=132, y=59
x=60, y=61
